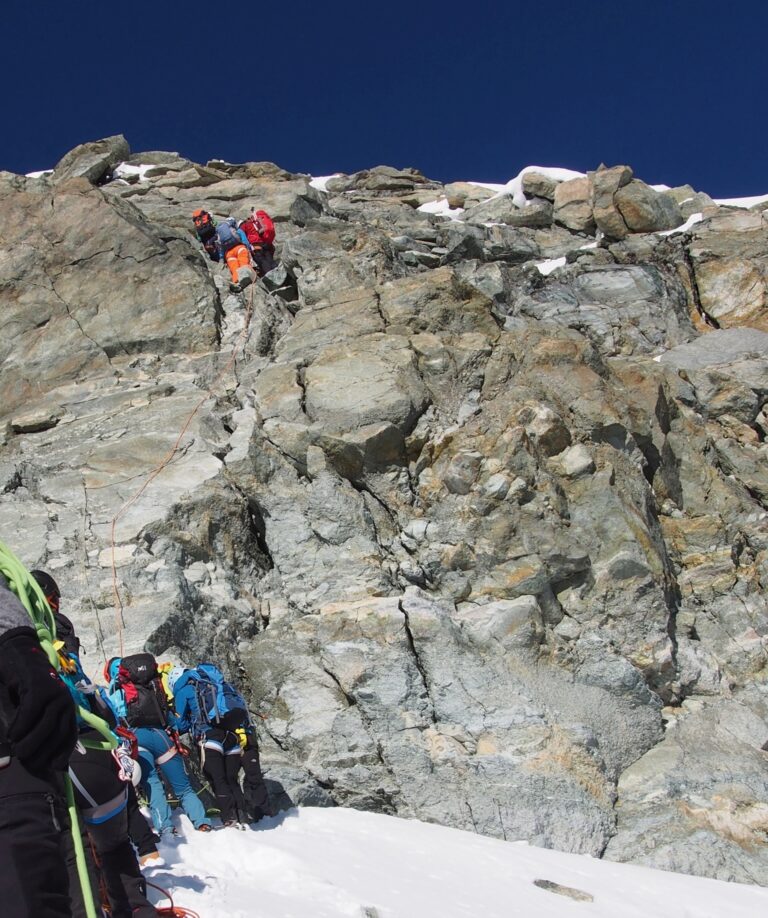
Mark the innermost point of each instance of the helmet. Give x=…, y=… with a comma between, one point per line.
x=174, y=675
x=49, y=586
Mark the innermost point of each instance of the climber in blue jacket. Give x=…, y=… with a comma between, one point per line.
x=216, y=715
x=144, y=707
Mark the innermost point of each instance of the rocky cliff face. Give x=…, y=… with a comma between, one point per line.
x=470, y=493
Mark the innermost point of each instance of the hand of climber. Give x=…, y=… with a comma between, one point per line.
x=42, y=729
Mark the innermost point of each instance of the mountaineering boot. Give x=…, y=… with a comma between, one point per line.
x=233, y=287
x=245, y=277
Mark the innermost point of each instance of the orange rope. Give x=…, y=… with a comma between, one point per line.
x=171, y=910
x=119, y=618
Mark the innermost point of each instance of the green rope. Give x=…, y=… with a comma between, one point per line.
x=77, y=841
x=28, y=590
x=33, y=599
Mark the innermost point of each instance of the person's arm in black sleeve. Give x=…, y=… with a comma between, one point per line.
x=12, y=613
x=41, y=727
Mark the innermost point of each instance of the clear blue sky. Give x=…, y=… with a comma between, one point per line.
x=472, y=90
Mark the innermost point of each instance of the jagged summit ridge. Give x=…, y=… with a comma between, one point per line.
x=482, y=558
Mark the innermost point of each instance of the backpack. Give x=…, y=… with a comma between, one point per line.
x=205, y=225
x=265, y=226
x=259, y=228
x=251, y=231
x=227, y=235
x=146, y=703
x=218, y=701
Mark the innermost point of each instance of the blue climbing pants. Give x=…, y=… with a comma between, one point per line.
x=157, y=751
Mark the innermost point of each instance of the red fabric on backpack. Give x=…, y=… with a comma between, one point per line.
x=251, y=231
x=265, y=227
x=259, y=228
x=145, y=699
x=129, y=689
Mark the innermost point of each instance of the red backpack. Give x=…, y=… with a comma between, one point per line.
x=265, y=226
x=259, y=228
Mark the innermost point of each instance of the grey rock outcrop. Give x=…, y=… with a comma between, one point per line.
x=615, y=203
x=501, y=209
x=484, y=542
x=536, y=185
x=573, y=205
x=645, y=210
x=92, y=161
x=605, y=184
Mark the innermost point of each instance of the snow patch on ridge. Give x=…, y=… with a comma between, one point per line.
x=691, y=221
x=124, y=170
x=742, y=202
x=514, y=187
x=547, y=267
x=320, y=182
x=442, y=208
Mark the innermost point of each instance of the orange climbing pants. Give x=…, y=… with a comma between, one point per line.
x=237, y=257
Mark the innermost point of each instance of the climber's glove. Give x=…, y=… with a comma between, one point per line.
x=42, y=727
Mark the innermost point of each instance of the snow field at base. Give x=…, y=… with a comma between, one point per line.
x=340, y=863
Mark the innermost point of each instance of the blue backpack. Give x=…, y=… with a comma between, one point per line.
x=218, y=701
x=227, y=235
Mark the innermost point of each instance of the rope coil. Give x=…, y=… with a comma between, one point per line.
x=172, y=909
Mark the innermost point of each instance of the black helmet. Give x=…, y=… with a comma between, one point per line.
x=65, y=630
x=49, y=586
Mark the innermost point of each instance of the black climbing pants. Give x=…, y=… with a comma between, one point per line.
x=33, y=872
x=102, y=801
x=139, y=828
x=264, y=259
x=221, y=760
x=254, y=788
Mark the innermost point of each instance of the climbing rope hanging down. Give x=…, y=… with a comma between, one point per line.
x=152, y=475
